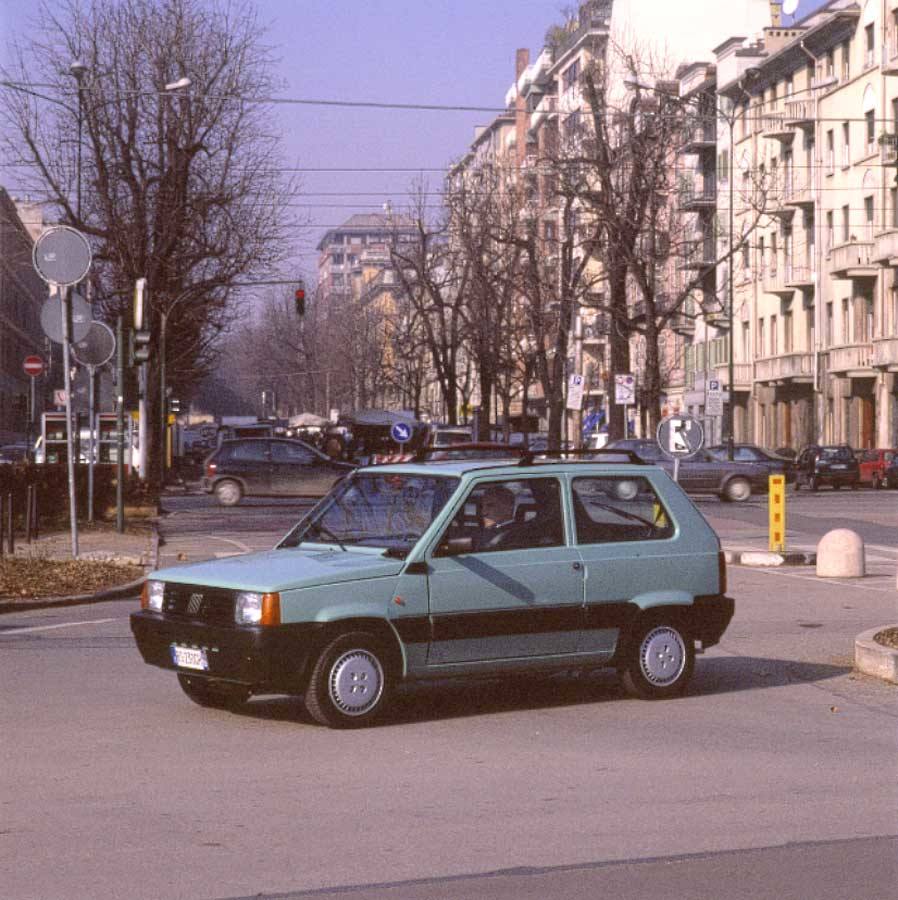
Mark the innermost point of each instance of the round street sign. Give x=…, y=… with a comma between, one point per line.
x=680, y=436
x=96, y=347
x=401, y=432
x=33, y=366
x=51, y=317
x=61, y=255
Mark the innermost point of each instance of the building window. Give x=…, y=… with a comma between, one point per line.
x=893, y=206
x=773, y=336
x=746, y=342
x=787, y=331
x=846, y=60
x=760, y=338
x=868, y=217
x=830, y=65
x=846, y=145
x=830, y=231
x=868, y=319
x=846, y=321
x=830, y=151
x=870, y=123
x=829, y=324
x=869, y=46
x=570, y=78
x=809, y=329
x=846, y=228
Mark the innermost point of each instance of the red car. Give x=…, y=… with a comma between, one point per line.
x=873, y=465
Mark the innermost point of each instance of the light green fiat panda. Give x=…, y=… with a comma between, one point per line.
x=432, y=570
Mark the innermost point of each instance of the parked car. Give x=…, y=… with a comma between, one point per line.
x=449, y=435
x=752, y=453
x=473, y=450
x=703, y=473
x=419, y=571
x=872, y=466
x=269, y=467
x=13, y=453
x=833, y=465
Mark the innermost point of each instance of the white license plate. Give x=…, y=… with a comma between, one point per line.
x=190, y=658
x=839, y=466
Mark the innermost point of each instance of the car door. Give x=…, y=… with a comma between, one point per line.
x=248, y=461
x=297, y=470
x=700, y=473
x=514, y=600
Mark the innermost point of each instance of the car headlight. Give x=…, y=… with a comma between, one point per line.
x=152, y=595
x=257, y=609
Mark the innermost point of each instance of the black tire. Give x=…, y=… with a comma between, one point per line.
x=212, y=694
x=228, y=492
x=351, y=682
x=660, y=658
x=737, y=490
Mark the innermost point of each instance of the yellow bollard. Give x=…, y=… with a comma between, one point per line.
x=776, y=496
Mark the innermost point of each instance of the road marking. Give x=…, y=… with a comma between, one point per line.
x=832, y=582
x=59, y=625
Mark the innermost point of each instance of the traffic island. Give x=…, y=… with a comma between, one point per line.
x=770, y=559
x=876, y=653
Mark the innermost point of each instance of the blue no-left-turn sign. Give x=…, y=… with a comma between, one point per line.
x=401, y=432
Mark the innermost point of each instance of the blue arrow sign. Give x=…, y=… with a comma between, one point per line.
x=400, y=432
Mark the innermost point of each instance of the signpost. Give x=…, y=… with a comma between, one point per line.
x=95, y=349
x=680, y=437
x=713, y=398
x=625, y=395
x=62, y=258
x=34, y=368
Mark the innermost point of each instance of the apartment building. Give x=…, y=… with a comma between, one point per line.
x=21, y=295
x=813, y=111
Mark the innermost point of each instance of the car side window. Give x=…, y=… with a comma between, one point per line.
x=249, y=451
x=507, y=515
x=744, y=454
x=608, y=509
x=292, y=453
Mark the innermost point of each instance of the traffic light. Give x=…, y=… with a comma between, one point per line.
x=140, y=347
x=174, y=405
x=299, y=298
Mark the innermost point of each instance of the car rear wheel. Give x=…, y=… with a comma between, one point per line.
x=737, y=490
x=228, y=493
x=660, y=659
x=351, y=682
x=213, y=694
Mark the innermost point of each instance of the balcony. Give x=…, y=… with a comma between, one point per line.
x=774, y=125
x=885, y=354
x=885, y=248
x=682, y=324
x=797, y=190
x=851, y=360
x=776, y=281
x=800, y=113
x=800, y=277
x=795, y=368
x=700, y=137
x=853, y=260
x=742, y=373
x=698, y=255
x=698, y=193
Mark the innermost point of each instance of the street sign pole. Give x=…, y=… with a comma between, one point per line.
x=120, y=428
x=69, y=427
x=91, y=415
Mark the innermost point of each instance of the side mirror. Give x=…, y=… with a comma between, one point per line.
x=456, y=546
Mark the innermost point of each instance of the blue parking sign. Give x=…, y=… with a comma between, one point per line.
x=401, y=432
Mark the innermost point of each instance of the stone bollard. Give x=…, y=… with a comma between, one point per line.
x=840, y=554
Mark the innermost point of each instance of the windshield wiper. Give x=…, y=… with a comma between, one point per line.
x=324, y=530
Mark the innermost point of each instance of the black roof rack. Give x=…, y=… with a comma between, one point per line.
x=528, y=457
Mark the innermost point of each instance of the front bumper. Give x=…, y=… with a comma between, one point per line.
x=710, y=618
x=273, y=659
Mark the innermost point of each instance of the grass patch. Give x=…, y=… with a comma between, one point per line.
x=22, y=578
x=888, y=637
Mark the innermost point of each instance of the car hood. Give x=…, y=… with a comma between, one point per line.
x=283, y=570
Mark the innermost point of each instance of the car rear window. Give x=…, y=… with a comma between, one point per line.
x=611, y=508
x=247, y=451
x=836, y=453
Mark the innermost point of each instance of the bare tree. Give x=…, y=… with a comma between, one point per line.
x=181, y=188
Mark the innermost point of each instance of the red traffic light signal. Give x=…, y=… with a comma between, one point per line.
x=299, y=298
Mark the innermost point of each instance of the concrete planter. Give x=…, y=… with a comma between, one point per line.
x=875, y=659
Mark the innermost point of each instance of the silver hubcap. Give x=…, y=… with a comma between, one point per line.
x=662, y=656
x=356, y=682
x=739, y=490
x=228, y=493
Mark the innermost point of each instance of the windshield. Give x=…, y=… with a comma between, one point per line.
x=367, y=509
x=843, y=453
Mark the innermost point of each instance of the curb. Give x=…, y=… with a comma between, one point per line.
x=120, y=592
x=770, y=559
x=875, y=659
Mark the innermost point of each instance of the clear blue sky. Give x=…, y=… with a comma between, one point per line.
x=453, y=52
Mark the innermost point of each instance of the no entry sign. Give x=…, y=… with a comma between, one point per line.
x=33, y=366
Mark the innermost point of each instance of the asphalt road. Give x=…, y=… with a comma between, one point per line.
x=773, y=777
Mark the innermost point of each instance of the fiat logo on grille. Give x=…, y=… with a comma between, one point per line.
x=195, y=604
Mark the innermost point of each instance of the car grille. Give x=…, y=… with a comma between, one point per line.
x=199, y=604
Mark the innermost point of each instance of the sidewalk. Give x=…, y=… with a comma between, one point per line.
x=138, y=546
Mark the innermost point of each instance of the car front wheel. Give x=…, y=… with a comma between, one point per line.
x=660, y=660
x=351, y=682
x=228, y=493
x=737, y=490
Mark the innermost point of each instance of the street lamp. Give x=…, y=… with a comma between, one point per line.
x=79, y=69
